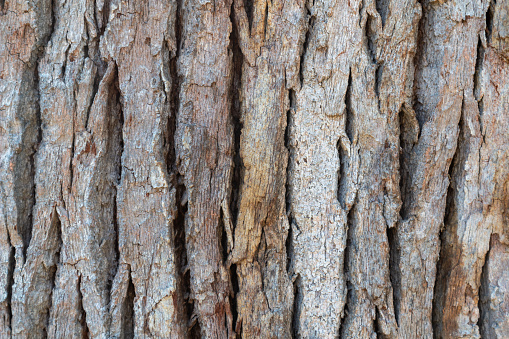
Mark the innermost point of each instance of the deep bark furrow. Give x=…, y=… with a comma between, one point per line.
x=142, y=53
x=85, y=332
x=236, y=177
x=128, y=315
x=483, y=292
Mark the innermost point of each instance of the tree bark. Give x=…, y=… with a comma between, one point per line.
x=254, y=168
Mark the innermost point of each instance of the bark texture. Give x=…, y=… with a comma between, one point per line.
x=254, y=169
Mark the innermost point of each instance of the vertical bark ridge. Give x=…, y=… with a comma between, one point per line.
x=479, y=195
x=91, y=208
x=204, y=140
x=320, y=148
x=439, y=94
x=79, y=148
x=494, y=93
x=64, y=97
x=270, y=69
x=140, y=38
x=24, y=32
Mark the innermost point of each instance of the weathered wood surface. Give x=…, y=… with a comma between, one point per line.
x=254, y=168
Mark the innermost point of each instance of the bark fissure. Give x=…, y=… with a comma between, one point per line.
x=342, y=331
x=85, y=332
x=184, y=280
x=343, y=153
x=56, y=226
x=236, y=176
x=236, y=121
x=489, y=20
x=483, y=292
x=394, y=269
x=128, y=315
x=297, y=302
x=444, y=264
x=305, y=45
x=370, y=33
x=118, y=176
x=10, y=280
x=477, y=88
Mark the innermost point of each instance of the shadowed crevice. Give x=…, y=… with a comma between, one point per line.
x=10, y=279
x=55, y=234
x=382, y=7
x=371, y=34
x=297, y=303
x=128, y=315
x=378, y=81
x=238, y=166
x=184, y=304
x=394, y=269
x=344, y=159
x=119, y=149
x=450, y=248
x=297, y=300
x=489, y=20
x=479, y=61
x=235, y=113
x=305, y=45
x=483, y=302
x=346, y=268
x=85, y=332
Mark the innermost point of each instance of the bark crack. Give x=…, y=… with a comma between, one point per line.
x=394, y=269
x=344, y=154
x=10, y=278
x=128, y=315
x=187, y=315
x=291, y=222
x=238, y=166
x=446, y=257
x=478, y=78
x=118, y=176
x=56, y=227
x=85, y=334
x=346, y=271
x=482, y=304
x=489, y=20
x=305, y=45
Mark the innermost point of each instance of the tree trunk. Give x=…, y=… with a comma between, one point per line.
x=254, y=168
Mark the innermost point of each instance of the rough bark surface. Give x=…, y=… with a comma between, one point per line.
x=254, y=168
